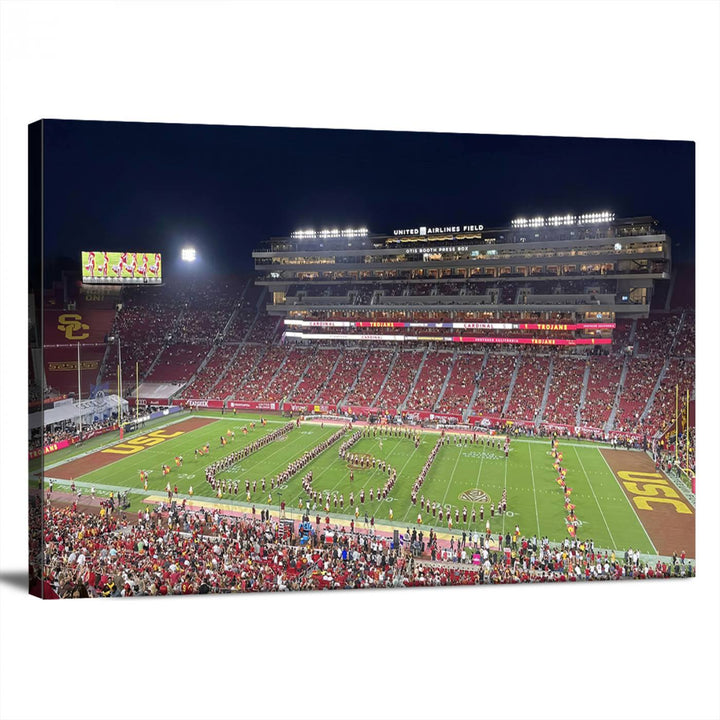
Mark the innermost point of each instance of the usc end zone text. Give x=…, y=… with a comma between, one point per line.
x=140, y=443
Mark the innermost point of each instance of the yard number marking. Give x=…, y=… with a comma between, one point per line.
x=652, y=485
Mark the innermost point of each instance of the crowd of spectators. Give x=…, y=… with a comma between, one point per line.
x=231, y=383
x=529, y=389
x=602, y=387
x=461, y=384
x=316, y=375
x=67, y=431
x=239, y=326
x=266, y=329
x=565, y=387
x=297, y=362
x=493, y=384
x=174, y=551
x=256, y=385
x=371, y=378
x=345, y=375
x=655, y=334
x=430, y=382
x=151, y=326
x=177, y=363
x=207, y=308
x=207, y=378
x=685, y=340
x=641, y=376
x=400, y=378
x=680, y=372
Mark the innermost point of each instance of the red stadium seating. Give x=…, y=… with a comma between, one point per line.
x=346, y=373
x=494, y=384
x=371, y=378
x=177, y=363
x=680, y=372
x=462, y=383
x=231, y=383
x=173, y=328
x=284, y=382
x=529, y=388
x=256, y=385
x=211, y=373
x=565, y=388
x=400, y=378
x=642, y=374
x=602, y=388
x=685, y=341
x=316, y=374
x=430, y=382
x=655, y=335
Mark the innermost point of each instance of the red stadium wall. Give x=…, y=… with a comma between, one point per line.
x=63, y=330
x=64, y=327
x=61, y=368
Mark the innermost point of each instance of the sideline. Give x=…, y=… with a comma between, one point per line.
x=337, y=521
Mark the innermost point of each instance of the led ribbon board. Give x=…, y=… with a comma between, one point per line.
x=450, y=338
x=551, y=327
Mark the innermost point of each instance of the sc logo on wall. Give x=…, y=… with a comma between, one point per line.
x=72, y=326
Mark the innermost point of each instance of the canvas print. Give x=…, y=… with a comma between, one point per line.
x=278, y=359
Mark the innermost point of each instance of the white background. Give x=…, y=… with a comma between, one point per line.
x=645, y=649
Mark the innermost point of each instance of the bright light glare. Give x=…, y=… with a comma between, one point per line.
x=188, y=254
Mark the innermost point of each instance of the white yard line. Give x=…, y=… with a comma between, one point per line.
x=507, y=460
x=452, y=475
x=628, y=501
x=532, y=476
x=410, y=506
x=477, y=483
x=235, y=470
x=597, y=502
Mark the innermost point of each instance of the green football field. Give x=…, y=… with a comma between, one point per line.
x=534, y=499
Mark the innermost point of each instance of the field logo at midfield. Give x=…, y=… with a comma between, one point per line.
x=140, y=443
x=482, y=455
x=649, y=488
x=475, y=495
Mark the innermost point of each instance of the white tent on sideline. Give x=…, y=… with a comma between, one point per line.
x=88, y=411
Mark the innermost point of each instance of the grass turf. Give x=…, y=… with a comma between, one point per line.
x=535, y=501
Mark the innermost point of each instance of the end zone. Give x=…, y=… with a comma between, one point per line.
x=668, y=518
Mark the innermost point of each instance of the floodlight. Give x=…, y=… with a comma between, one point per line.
x=188, y=254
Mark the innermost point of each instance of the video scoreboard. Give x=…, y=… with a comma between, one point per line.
x=120, y=268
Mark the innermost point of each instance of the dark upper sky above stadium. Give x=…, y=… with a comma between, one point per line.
x=136, y=186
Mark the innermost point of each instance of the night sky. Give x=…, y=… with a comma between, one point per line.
x=134, y=186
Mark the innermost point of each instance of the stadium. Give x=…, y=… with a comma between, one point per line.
x=431, y=405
